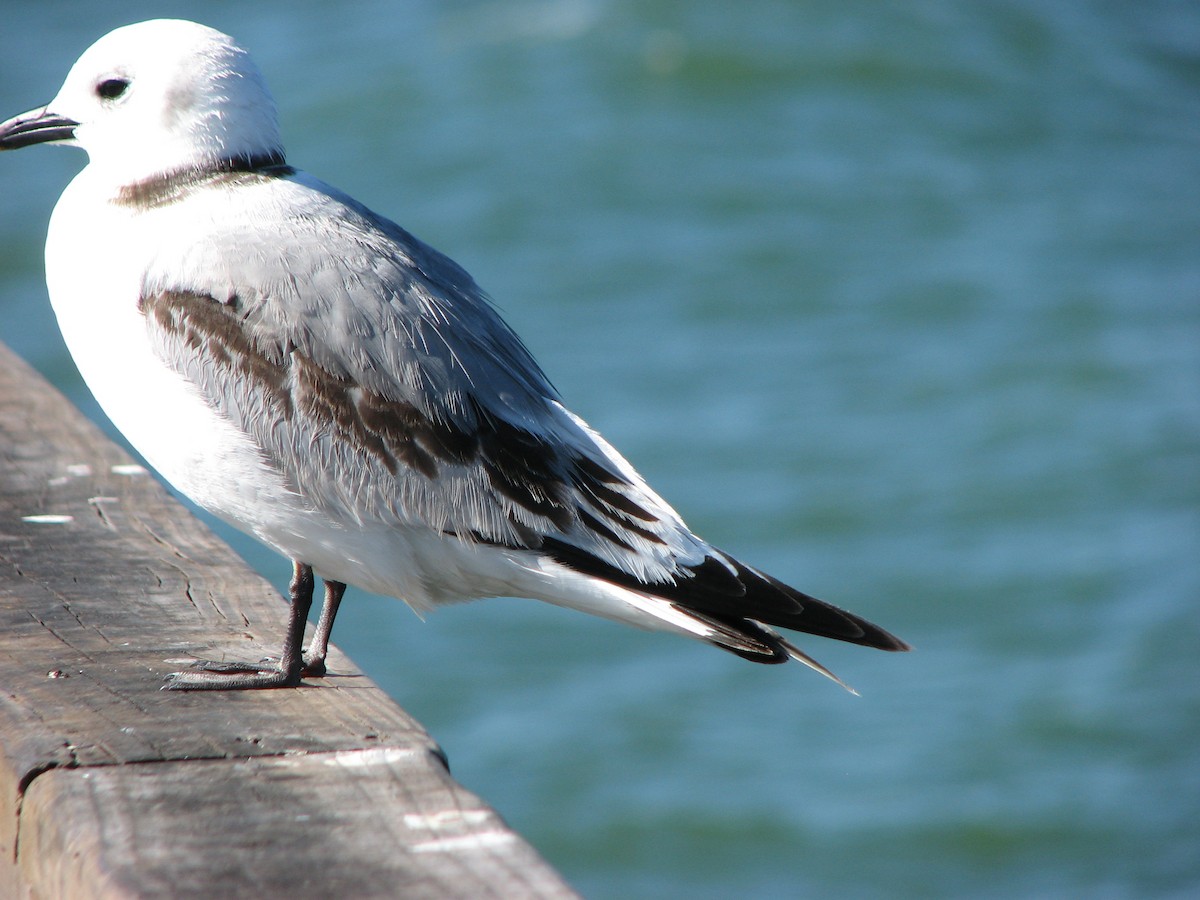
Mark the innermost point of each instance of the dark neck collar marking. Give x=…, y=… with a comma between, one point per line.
x=171, y=187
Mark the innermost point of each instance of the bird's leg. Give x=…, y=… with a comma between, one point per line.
x=214, y=676
x=314, y=659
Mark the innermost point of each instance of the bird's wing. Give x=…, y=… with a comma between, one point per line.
x=375, y=374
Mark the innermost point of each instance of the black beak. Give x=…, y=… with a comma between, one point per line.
x=38, y=126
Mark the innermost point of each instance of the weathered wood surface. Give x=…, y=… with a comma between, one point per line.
x=111, y=787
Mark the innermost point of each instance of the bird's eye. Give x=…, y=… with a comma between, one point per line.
x=112, y=88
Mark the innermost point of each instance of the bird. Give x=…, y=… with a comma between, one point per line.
x=311, y=373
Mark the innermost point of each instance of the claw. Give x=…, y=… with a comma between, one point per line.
x=214, y=676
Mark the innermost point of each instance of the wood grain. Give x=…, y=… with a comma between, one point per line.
x=110, y=786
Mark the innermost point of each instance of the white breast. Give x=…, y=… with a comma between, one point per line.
x=96, y=255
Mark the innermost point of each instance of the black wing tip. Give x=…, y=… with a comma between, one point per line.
x=766, y=599
x=772, y=656
x=894, y=644
x=868, y=633
x=742, y=637
x=758, y=643
x=721, y=590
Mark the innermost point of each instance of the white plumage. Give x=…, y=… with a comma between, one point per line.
x=311, y=373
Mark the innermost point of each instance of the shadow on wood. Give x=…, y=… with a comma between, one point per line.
x=111, y=787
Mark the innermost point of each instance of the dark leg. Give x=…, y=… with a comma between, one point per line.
x=314, y=659
x=214, y=676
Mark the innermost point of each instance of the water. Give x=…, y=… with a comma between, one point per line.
x=897, y=303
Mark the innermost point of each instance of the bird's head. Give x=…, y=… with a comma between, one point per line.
x=157, y=97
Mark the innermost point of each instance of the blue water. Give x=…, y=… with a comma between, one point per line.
x=900, y=303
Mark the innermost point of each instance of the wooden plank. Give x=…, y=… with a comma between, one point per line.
x=391, y=826
x=105, y=584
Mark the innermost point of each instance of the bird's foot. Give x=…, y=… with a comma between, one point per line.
x=232, y=676
x=314, y=666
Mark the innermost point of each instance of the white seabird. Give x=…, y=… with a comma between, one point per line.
x=311, y=373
